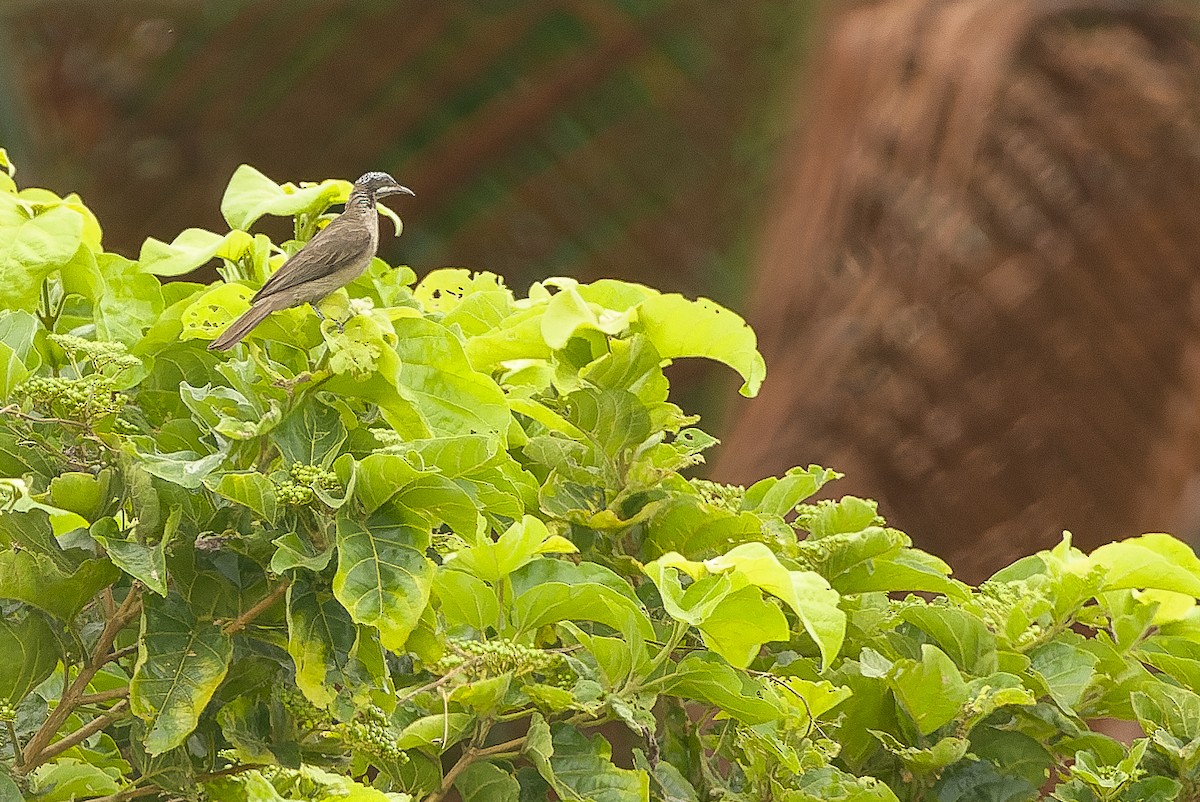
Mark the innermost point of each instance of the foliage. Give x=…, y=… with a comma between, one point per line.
x=449, y=546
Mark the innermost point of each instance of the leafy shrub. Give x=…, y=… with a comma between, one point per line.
x=452, y=549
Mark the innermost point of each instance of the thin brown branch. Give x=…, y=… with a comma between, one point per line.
x=268, y=601
x=148, y=790
x=104, y=696
x=82, y=734
x=469, y=756
x=32, y=754
x=119, y=653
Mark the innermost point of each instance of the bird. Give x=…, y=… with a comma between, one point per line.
x=338, y=254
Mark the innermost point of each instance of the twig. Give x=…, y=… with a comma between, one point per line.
x=119, y=653
x=83, y=733
x=103, y=696
x=134, y=793
x=440, y=681
x=15, y=411
x=32, y=754
x=16, y=743
x=240, y=623
x=469, y=756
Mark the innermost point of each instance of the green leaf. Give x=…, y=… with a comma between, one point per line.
x=311, y=435
x=1150, y=561
x=681, y=328
x=33, y=244
x=68, y=779
x=567, y=314
x=582, y=768
x=485, y=782
x=932, y=690
x=9, y=792
x=965, y=638
x=1162, y=706
x=379, y=477
x=483, y=696
x=191, y=249
x=250, y=195
x=321, y=636
x=807, y=593
x=741, y=624
x=292, y=552
x=850, y=514
x=779, y=496
x=383, y=577
x=181, y=661
x=451, y=395
x=1066, y=668
x=184, y=468
x=438, y=732
x=706, y=678
x=145, y=562
x=702, y=596
x=908, y=569
x=40, y=582
x=465, y=599
x=131, y=302
x=551, y=602
x=250, y=489
x=517, y=546
x=28, y=654
x=615, y=420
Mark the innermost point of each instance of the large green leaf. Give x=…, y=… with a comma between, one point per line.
x=28, y=654
x=466, y=599
x=191, y=249
x=181, y=661
x=555, y=601
x=582, y=768
x=250, y=195
x=807, y=593
x=383, y=577
x=321, y=636
x=485, y=782
x=311, y=435
x=451, y=395
x=40, y=582
x=33, y=244
x=146, y=562
x=931, y=689
x=516, y=547
x=705, y=677
x=679, y=327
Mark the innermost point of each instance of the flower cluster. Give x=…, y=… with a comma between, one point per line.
x=300, y=490
x=726, y=497
x=101, y=354
x=479, y=659
x=371, y=732
x=86, y=400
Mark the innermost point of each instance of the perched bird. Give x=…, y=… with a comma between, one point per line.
x=337, y=255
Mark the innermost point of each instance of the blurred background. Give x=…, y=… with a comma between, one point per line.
x=966, y=230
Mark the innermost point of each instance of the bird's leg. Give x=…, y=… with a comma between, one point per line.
x=320, y=317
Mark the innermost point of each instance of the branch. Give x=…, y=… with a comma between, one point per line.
x=83, y=733
x=134, y=793
x=129, y=609
x=104, y=696
x=240, y=623
x=469, y=756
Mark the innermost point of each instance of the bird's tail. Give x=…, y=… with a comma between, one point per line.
x=241, y=327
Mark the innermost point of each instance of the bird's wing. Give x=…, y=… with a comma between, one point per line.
x=333, y=246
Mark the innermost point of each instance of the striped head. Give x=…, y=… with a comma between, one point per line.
x=380, y=185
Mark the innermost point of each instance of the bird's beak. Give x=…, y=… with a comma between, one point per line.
x=396, y=190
